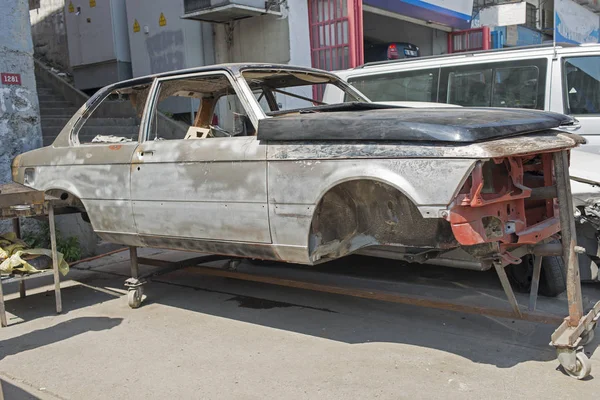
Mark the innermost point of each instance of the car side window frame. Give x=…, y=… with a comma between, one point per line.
x=253, y=111
x=88, y=109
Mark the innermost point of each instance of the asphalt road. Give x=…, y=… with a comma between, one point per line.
x=203, y=337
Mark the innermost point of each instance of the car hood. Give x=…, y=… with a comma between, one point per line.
x=377, y=122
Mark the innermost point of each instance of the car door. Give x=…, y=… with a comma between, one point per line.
x=189, y=185
x=95, y=159
x=580, y=95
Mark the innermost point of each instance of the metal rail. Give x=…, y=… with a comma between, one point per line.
x=381, y=296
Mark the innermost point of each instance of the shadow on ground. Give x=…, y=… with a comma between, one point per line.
x=500, y=342
x=55, y=333
x=42, y=304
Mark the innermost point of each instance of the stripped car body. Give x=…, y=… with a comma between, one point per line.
x=313, y=183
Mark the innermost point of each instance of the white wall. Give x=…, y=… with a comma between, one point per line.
x=299, y=33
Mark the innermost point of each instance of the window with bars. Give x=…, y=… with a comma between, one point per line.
x=531, y=16
x=336, y=40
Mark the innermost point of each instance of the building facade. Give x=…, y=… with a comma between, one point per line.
x=111, y=40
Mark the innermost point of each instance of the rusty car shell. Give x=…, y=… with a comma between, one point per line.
x=301, y=201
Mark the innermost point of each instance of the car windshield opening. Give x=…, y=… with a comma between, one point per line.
x=286, y=91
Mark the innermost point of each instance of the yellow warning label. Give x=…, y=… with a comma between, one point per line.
x=92, y=3
x=162, y=21
x=136, y=25
x=71, y=7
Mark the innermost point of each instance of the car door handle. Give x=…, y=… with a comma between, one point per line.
x=147, y=153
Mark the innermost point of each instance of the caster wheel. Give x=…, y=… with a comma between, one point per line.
x=134, y=297
x=583, y=367
x=586, y=338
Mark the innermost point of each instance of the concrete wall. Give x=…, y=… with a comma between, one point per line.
x=20, y=129
x=258, y=39
x=49, y=33
x=274, y=39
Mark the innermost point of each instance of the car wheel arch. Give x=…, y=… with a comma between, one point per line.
x=361, y=212
x=66, y=198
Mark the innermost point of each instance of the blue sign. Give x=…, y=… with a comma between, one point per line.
x=453, y=13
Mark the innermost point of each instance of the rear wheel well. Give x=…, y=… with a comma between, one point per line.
x=67, y=202
x=363, y=212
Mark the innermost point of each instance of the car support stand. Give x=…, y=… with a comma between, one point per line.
x=577, y=329
x=135, y=289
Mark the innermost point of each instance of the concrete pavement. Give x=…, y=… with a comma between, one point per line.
x=214, y=338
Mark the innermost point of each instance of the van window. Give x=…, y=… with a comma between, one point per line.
x=470, y=88
x=516, y=87
x=399, y=86
x=582, y=85
x=518, y=84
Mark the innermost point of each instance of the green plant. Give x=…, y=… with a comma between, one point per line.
x=69, y=247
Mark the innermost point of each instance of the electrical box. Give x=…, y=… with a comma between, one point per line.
x=98, y=42
x=162, y=41
x=228, y=10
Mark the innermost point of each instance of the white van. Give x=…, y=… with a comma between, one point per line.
x=564, y=79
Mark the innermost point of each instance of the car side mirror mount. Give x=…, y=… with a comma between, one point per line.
x=242, y=126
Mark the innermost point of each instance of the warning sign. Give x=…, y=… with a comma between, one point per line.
x=71, y=7
x=136, y=25
x=92, y=3
x=162, y=21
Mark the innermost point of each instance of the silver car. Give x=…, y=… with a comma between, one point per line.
x=246, y=160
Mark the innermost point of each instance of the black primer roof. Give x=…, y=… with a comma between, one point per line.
x=364, y=121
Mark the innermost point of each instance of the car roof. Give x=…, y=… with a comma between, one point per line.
x=234, y=68
x=520, y=51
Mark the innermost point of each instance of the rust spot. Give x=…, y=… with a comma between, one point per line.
x=115, y=147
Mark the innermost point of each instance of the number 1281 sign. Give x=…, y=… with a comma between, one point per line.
x=10, y=79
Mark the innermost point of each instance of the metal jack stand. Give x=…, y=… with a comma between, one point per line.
x=135, y=284
x=135, y=289
x=577, y=329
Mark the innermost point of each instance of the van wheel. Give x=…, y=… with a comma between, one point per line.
x=552, y=277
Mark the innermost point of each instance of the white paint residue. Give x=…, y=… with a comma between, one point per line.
x=22, y=95
x=7, y=97
x=3, y=92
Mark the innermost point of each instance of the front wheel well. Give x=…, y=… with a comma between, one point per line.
x=363, y=212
